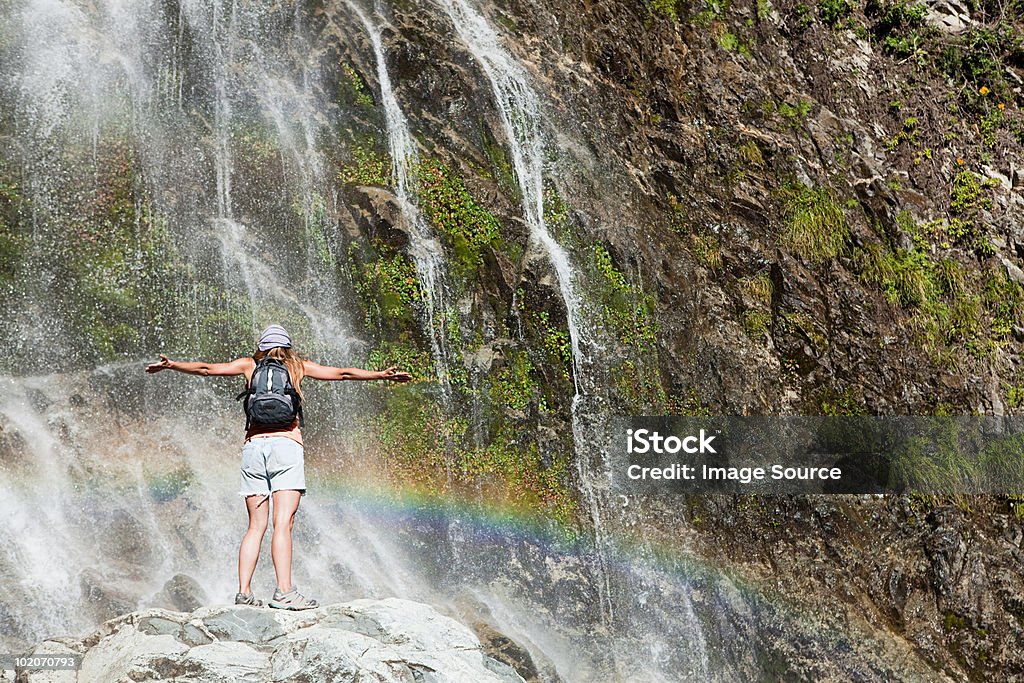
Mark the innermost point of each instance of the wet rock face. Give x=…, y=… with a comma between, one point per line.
x=387, y=640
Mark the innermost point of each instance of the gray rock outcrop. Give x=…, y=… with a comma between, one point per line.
x=379, y=640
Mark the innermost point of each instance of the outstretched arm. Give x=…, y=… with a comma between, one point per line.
x=235, y=367
x=327, y=372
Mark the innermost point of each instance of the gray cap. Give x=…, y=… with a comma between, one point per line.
x=273, y=337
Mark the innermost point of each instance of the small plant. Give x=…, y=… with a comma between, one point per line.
x=756, y=322
x=834, y=11
x=367, y=167
x=750, y=153
x=355, y=87
x=816, y=226
x=795, y=113
x=706, y=249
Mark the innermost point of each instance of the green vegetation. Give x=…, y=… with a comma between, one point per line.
x=166, y=486
x=757, y=292
x=705, y=248
x=666, y=8
x=417, y=362
x=953, y=309
x=974, y=62
x=253, y=144
x=354, y=87
x=907, y=134
x=452, y=210
x=627, y=310
x=816, y=226
x=387, y=285
x=638, y=385
x=834, y=11
x=513, y=386
x=841, y=403
x=750, y=153
x=895, y=24
x=367, y=167
x=803, y=325
x=953, y=458
x=795, y=114
x=689, y=404
x=426, y=451
x=756, y=323
x=1015, y=396
x=967, y=199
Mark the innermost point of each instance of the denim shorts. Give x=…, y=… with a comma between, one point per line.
x=272, y=463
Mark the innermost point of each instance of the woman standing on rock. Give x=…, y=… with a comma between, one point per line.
x=272, y=456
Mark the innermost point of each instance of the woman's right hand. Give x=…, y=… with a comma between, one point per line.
x=163, y=364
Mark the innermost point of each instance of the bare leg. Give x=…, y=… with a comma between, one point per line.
x=285, y=505
x=249, y=552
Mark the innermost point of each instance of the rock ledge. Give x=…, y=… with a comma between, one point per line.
x=364, y=640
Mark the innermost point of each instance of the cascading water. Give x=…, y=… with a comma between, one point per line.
x=114, y=482
x=423, y=245
x=520, y=113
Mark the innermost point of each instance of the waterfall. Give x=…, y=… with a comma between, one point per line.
x=423, y=244
x=520, y=113
x=113, y=480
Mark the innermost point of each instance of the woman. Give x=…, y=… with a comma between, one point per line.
x=272, y=461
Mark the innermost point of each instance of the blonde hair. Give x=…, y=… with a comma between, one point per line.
x=291, y=359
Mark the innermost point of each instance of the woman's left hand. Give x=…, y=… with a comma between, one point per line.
x=394, y=375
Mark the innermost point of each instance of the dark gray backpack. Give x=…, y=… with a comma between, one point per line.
x=271, y=400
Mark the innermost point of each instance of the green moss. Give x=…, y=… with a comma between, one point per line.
x=803, y=325
x=318, y=226
x=750, y=153
x=758, y=289
x=13, y=241
x=953, y=622
x=556, y=214
x=1003, y=298
x=967, y=199
x=665, y=8
x=452, y=210
x=816, y=226
x=513, y=386
x=795, y=114
x=706, y=250
x=254, y=145
x=1015, y=396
